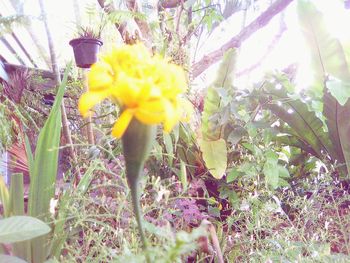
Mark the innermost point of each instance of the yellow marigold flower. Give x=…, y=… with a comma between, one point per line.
x=145, y=87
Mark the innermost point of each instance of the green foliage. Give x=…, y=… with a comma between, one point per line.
x=20, y=228
x=217, y=98
x=121, y=16
x=5, y=197
x=307, y=127
x=5, y=128
x=338, y=129
x=215, y=156
x=327, y=53
x=275, y=174
x=212, y=145
x=7, y=23
x=59, y=234
x=44, y=170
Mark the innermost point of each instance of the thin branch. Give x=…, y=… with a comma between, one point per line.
x=145, y=30
x=236, y=41
x=171, y=3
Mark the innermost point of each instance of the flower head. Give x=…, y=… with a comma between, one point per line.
x=145, y=87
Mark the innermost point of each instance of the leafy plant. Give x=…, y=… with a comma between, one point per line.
x=213, y=144
x=304, y=122
x=43, y=171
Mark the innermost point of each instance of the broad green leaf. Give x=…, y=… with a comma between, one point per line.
x=271, y=156
x=337, y=119
x=275, y=174
x=236, y=135
x=283, y=172
x=327, y=53
x=233, y=175
x=215, y=156
x=294, y=141
x=271, y=174
x=304, y=123
x=340, y=90
x=20, y=228
x=211, y=129
x=11, y=259
x=43, y=174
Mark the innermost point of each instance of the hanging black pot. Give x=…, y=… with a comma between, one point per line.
x=85, y=51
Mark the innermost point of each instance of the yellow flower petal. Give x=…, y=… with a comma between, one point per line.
x=127, y=91
x=122, y=123
x=100, y=76
x=89, y=99
x=150, y=112
x=147, y=87
x=171, y=116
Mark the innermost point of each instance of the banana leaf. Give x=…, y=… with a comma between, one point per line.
x=327, y=53
x=305, y=123
x=338, y=123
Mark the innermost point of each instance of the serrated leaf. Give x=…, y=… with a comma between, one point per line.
x=271, y=174
x=215, y=156
x=233, y=175
x=21, y=228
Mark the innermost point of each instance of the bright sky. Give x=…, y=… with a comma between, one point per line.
x=290, y=49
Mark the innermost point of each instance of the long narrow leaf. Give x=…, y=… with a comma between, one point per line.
x=338, y=128
x=20, y=249
x=29, y=155
x=327, y=53
x=43, y=176
x=59, y=235
x=4, y=197
x=305, y=123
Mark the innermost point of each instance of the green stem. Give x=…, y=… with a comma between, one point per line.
x=137, y=143
x=134, y=171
